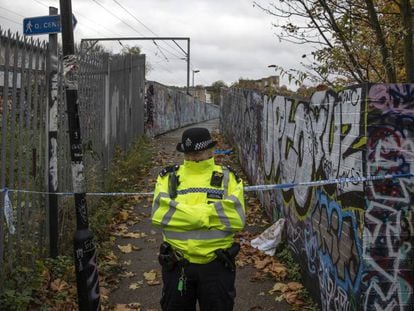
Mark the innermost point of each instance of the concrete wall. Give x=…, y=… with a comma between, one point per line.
x=168, y=109
x=354, y=241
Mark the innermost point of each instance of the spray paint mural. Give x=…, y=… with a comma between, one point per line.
x=353, y=240
x=167, y=109
x=388, y=234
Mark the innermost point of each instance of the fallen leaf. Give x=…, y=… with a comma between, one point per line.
x=151, y=240
x=58, y=285
x=127, y=263
x=125, y=248
x=135, y=235
x=135, y=305
x=260, y=264
x=291, y=297
x=279, y=298
x=134, y=286
x=123, y=215
x=122, y=307
x=278, y=287
x=153, y=283
x=151, y=275
x=104, y=291
x=128, y=274
x=294, y=286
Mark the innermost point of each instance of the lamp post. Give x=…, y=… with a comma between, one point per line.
x=272, y=66
x=194, y=72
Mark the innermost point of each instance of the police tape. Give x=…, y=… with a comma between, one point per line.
x=102, y=194
x=326, y=182
x=246, y=189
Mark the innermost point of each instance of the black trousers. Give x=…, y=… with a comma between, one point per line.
x=212, y=285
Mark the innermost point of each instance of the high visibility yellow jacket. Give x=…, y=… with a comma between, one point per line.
x=202, y=217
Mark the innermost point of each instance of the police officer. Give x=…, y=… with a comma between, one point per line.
x=199, y=206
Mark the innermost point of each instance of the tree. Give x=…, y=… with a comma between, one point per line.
x=136, y=50
x=215, y=90
x=355, y=40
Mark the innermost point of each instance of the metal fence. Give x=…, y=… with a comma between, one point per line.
x=23, y=95
x=34, y=140
x=111, y=104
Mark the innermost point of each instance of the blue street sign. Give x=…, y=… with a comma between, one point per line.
x=41, y=25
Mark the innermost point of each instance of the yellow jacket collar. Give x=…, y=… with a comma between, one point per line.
x=200, y=165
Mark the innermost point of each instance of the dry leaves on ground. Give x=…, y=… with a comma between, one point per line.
x=291, y=292
x=128, y=274
x=135, y=306
x=265, y=264
x=58, y=285
x=136, y=285
x=151, y=277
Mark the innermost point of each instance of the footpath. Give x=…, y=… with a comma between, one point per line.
x=261, y=280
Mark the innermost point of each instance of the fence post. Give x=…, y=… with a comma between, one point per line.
x=52, y=181
x=84, y=248
x=108, y=141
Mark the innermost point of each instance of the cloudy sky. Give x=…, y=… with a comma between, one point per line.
x=229, y=39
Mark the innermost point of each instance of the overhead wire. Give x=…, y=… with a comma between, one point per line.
x=10, y=20
x=13, y=12
x=120, y=19
x=159, y=48
x=84, y=19
x=145, y=26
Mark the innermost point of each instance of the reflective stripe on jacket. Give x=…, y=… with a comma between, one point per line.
x=202, y=218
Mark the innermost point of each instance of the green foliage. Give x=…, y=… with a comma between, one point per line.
x=310, y=303
x=134, y=50
x=353, y=41
x=215, y=90
x=284, y=254
x=60, y=267
x=128, y=168
x=27, y=288
x=124, y=176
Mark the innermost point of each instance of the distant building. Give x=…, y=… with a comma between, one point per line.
x=271, y=82
x=208, y=98
x=199, y=92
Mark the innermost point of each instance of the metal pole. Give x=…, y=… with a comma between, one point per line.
x=188, y=66
x=84, y=247
x=52, y=70
x=194, y=72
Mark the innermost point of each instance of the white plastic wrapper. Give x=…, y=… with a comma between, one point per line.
x=270, y=238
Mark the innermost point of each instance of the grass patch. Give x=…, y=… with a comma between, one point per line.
x=50, y=284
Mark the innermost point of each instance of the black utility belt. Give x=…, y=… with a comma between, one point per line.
x=170, y=258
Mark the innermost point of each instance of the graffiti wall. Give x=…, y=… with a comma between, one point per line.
x=167, y=109
x=353, y=240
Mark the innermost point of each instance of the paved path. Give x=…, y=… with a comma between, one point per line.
x=140, y=264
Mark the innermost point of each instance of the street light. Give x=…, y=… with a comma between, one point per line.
x=272, y=66
x=194, y=71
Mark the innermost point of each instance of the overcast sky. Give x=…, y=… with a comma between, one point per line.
x=229, y=39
